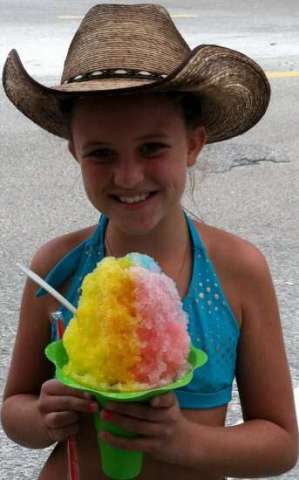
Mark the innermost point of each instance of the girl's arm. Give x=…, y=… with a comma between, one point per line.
x=266, y=443
x=29, y=368
x=37, y=412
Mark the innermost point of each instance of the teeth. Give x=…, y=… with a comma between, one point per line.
x=137, y=198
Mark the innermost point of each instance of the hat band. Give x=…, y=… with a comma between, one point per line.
x=116, y=72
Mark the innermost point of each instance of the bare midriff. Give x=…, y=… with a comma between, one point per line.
x=89, y=459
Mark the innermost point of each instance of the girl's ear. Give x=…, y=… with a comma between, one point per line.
x=71, y=148
x=197, y=138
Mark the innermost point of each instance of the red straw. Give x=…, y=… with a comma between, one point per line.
x=72, y=458
x=60, y=328
x=72, y=451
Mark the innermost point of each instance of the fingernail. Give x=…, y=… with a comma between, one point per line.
x=87, y=396
x=92, y=407
x=106, y=415
x=103, y=436
x=155, y=402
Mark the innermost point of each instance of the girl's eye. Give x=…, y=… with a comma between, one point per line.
x=152, y=149
x=101, y=155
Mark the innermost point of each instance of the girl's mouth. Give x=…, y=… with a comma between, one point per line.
x=134, y=200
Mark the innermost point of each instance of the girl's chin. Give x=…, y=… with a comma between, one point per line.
x=138, y=218
x=138, y=226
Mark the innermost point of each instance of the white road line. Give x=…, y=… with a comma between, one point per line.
x=70, y=17
x=289, y=74
x=184, y=15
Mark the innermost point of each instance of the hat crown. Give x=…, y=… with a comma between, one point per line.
x=138, y=37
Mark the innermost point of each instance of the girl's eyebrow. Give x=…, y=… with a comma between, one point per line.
x=95, y=143
x=153, y=135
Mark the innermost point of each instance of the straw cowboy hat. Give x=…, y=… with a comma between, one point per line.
x=137, y=49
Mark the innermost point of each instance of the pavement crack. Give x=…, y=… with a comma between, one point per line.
x=223, y=158
x=248, y=162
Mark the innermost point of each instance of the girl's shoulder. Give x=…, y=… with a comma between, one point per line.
x=231, y=252
x=53, y=250
x=241, y=267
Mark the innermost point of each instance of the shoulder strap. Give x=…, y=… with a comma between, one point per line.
x=68, y=265
x=197, y=242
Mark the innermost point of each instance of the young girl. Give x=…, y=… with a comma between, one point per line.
x=137, y=106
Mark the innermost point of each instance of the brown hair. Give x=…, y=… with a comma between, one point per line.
x=188, y=103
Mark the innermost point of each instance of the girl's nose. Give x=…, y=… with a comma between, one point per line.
x=128, y=172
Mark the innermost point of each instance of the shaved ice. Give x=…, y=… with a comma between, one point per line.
x=129, y=332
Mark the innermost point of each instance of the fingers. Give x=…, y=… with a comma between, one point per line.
x=56, y=397
x=153, y=412
x=60, y=408
x=134, y=425
x=61, y=419
x=137, y=411
x=164, y=401
x=60, y=425
x=62, y=434
x=160, y=427
x=140, y=444
x=54, y=387
x=144, y=419
x=53, y=403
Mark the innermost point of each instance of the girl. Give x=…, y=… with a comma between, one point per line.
x=137, y=107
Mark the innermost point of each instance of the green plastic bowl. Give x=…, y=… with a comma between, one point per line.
x=119, y=464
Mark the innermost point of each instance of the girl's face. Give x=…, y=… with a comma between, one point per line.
x=134, y=153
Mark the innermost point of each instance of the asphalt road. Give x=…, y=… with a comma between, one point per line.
x=248, y=185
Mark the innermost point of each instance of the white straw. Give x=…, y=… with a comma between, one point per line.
x=47, y=287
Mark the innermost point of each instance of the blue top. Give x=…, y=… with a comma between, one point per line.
x=212, y=325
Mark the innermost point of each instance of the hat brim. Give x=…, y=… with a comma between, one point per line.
x=233, y=89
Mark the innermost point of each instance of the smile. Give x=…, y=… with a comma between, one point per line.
x=141, y=197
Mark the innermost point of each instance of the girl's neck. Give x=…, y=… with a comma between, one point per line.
x=162, y=243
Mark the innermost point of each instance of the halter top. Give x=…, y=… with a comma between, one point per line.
x=212, y=325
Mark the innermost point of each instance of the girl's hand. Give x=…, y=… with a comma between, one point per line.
x=60, y=408
x=162, y=430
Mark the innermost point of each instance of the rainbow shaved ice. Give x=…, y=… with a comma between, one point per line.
x=130, y=330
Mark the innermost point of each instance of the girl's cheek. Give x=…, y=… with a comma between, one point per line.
x=161, y=167
x=92, y=169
